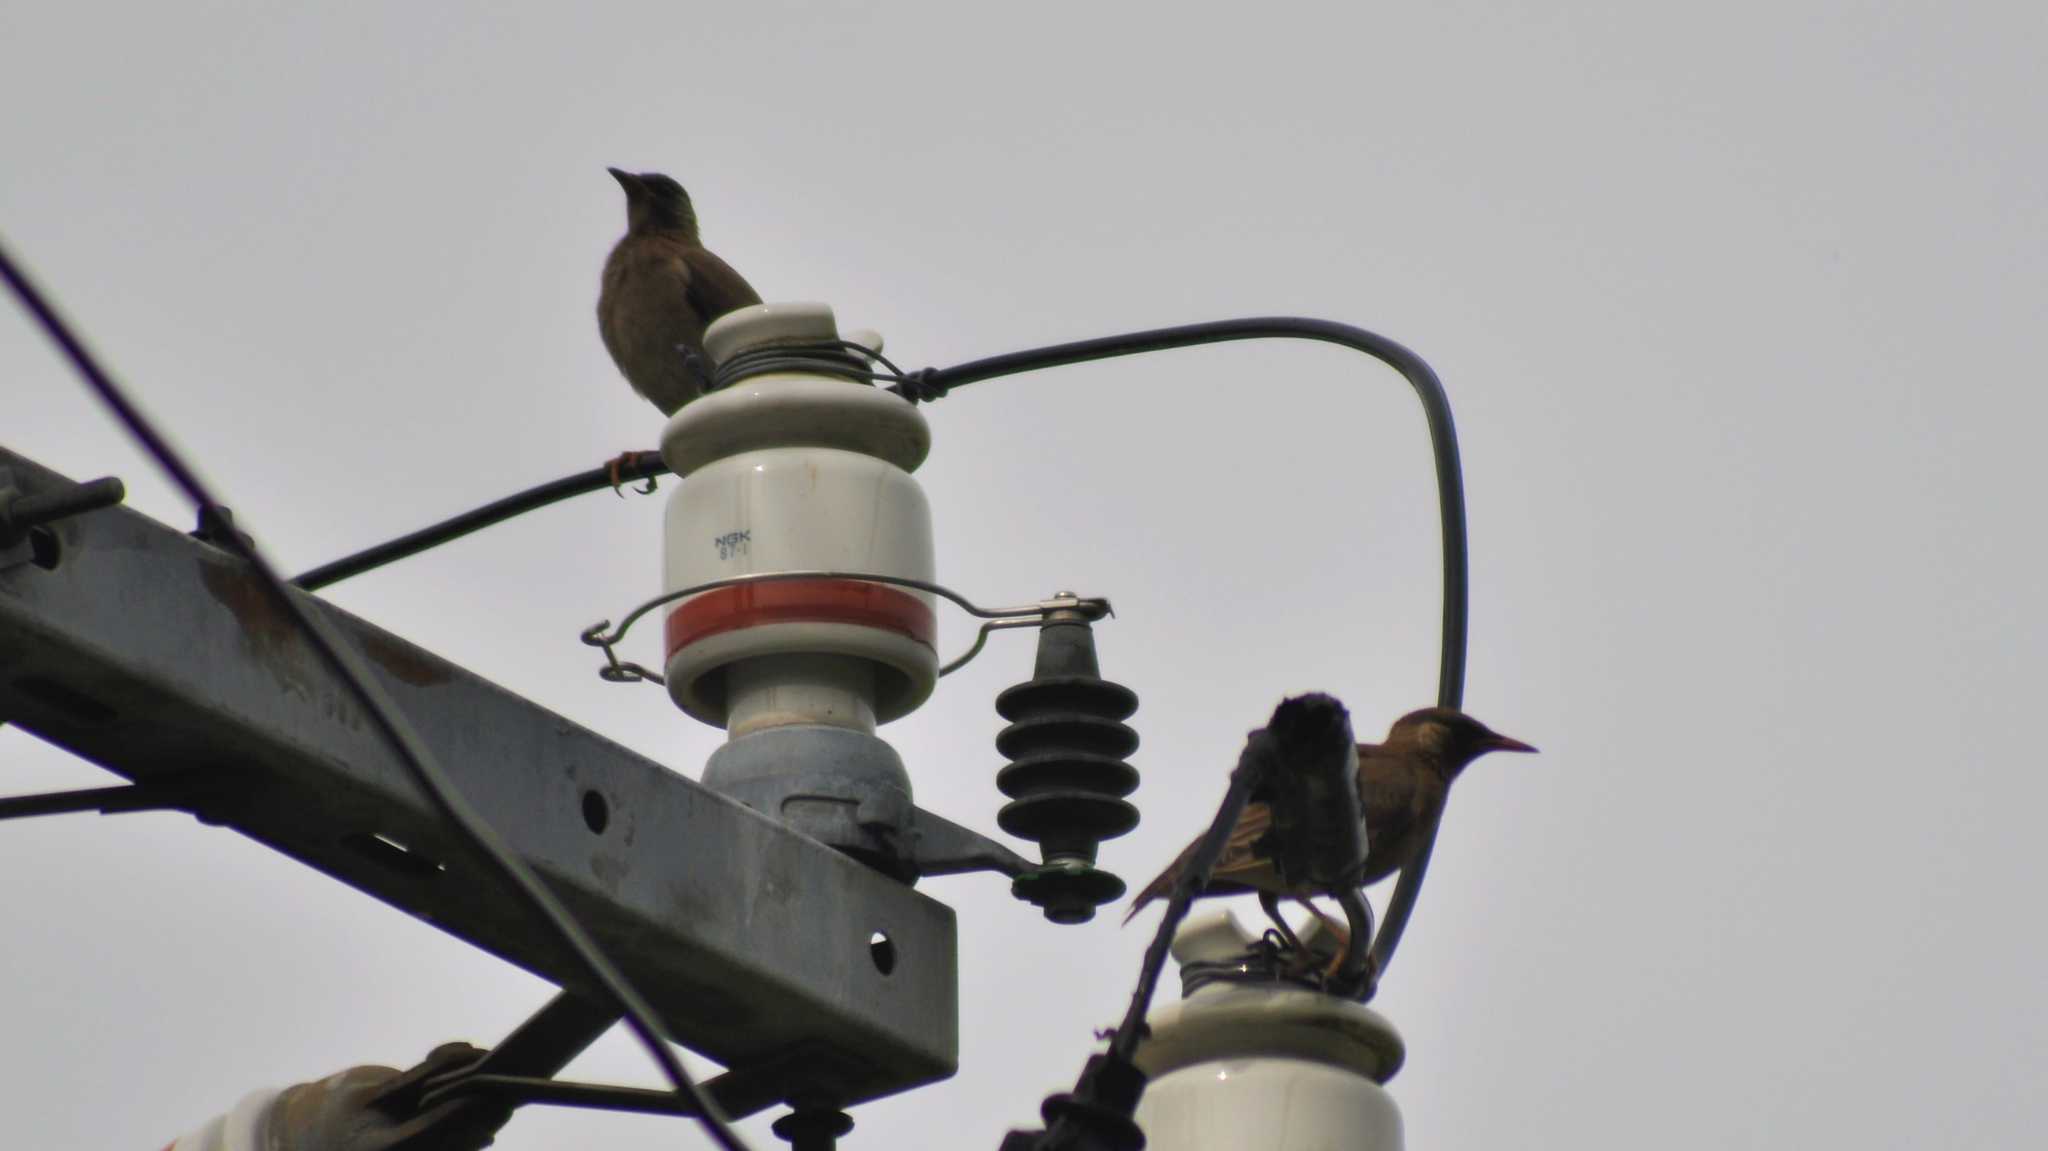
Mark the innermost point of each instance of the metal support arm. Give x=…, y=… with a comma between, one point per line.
x=156, y=656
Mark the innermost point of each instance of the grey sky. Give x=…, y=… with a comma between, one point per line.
x=1739, y=307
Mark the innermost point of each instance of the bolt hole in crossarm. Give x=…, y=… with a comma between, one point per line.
x=597, y=813
x=882, y=950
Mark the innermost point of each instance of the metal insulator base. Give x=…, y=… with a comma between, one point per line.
x=844, y=788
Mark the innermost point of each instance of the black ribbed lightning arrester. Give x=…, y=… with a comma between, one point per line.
x=1067, y=778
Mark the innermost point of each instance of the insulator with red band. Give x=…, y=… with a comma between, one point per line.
x=786, y=471
x=799, y=468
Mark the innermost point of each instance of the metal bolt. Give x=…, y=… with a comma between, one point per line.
x=19, y=513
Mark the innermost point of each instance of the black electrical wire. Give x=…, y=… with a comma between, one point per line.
x=383, y=713
x=1450, y=488
x=1436, y=408
x=630, y=467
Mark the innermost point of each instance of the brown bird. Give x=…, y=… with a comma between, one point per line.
x=661, y=288
x=1402, y=784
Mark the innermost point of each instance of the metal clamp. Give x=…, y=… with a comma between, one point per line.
x=1065, y=605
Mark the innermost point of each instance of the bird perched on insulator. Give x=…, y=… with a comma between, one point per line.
x=1402, y=785
x=662, y=287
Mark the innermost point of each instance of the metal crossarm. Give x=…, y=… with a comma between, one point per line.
x=155, y=656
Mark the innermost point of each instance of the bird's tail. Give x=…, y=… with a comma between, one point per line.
x=1161, y=885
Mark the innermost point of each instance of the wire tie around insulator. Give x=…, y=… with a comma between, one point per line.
x=843, y=358
x=1035, y=614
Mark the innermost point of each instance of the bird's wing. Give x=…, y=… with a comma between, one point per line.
x=642, y=271
x=646, y=314
x=1395, y=795
x=713, y=288
x=1237, y=864
x=1238, y=857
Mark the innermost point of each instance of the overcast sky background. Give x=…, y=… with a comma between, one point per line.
x=1739, y=307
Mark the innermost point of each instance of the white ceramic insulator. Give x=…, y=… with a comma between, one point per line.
x=793, y=472
x=773, y=690
x=1269, y=1103
x=1236, y=1066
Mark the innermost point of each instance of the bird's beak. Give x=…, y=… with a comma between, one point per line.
x=1499, y=742
x=628, y=181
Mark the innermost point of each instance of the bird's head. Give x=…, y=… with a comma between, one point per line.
x=1449, y=739
x=655, y=202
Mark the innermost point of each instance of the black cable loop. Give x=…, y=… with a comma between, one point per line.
x=1450, y=484
x=384, y=714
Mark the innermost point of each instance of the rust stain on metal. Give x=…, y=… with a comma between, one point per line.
x=272, y=636
x=266, y=628
x=405, y=661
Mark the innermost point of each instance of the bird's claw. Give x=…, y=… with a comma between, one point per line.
x=616, y=468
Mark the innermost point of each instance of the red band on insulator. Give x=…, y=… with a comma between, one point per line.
x=801, y=601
